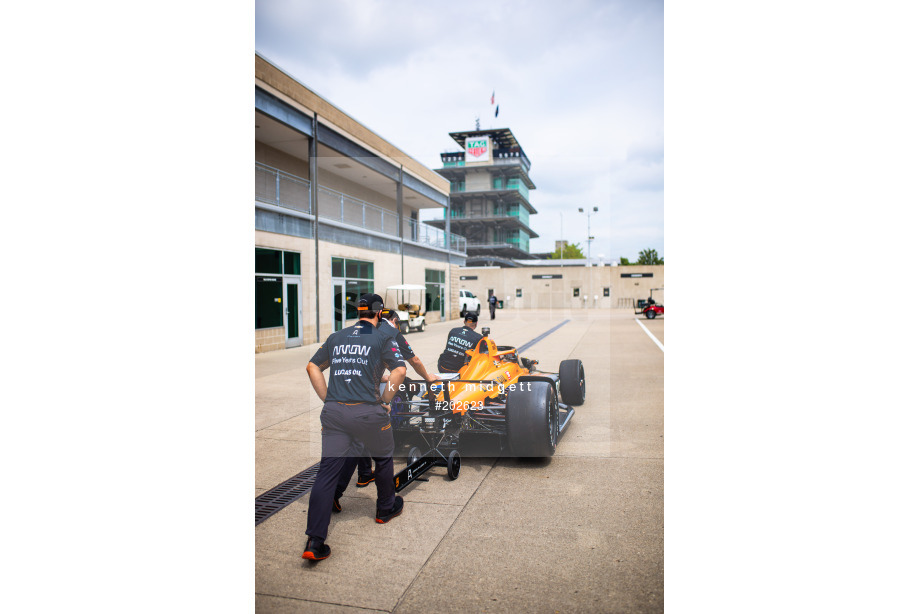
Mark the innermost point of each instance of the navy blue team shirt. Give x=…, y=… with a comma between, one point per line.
x=391, y=331
x=356, y=357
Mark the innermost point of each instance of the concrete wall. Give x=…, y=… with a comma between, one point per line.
x=387, y=272
x=284, y=162
x=558, y=293
x=478, y=180
x=453, y=288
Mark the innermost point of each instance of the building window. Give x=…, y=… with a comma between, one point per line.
x=291, y=263
x=271, y=265
x=268, y=302
x=518, y=293
x=606, y=291
x=576, y=292
x=268, y=261
x=358, y=278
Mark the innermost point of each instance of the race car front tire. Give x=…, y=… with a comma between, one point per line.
x=453, y=465
x=532, y=416
x=572, y=381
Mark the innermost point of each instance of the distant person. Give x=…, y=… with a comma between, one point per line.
x=493, y=301
x=459, y=340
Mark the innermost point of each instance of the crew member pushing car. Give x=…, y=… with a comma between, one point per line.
x=389, y=325
x=352, y=417
x=459, y=340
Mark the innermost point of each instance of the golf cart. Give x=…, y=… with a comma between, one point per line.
x=650, y=308
x=409, y=300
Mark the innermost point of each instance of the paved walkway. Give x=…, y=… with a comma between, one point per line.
x=583, y=532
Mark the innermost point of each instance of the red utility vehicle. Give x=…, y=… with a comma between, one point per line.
x=650, y=308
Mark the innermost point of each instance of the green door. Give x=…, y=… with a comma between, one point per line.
x=292, y=314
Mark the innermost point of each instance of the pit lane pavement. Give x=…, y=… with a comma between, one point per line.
x=583, y=532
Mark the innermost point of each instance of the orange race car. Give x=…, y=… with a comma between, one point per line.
x=497, y=395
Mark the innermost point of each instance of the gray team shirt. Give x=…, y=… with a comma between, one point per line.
x=356, y=357
x=459, y=340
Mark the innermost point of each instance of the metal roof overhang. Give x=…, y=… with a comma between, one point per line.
x=503, y=137
x=508, y=196
x=503, y=251
x=492, y=260
x=458, y=223
x=459, y=172
x=280, y=111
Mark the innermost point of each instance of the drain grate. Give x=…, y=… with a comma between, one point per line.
x=285, y=493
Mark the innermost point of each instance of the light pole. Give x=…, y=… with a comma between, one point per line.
x=590, y=238
x=561, y=238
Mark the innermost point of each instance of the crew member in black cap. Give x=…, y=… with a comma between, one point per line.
x=353, y=416
x=389, y=325
x=459, y=340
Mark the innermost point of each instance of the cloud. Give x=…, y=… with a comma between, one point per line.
x=579, y=83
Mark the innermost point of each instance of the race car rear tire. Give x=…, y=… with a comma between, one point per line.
x=532, y=416
x=650, y=314
x=572, y=381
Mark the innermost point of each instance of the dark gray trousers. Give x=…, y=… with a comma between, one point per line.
x=346, y=428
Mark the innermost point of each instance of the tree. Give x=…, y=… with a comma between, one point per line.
x=570, y=251
x=649, y=256
x=624, y=261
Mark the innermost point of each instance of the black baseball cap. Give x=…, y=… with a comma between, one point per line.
x=389, y=314
x=370, y=302
x=471, y=317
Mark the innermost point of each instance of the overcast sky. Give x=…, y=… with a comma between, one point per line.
x=579, y=83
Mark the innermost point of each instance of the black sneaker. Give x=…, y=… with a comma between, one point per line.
x=316, y=550
x=336, y=506
x=383, y=517
x=364, y=480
